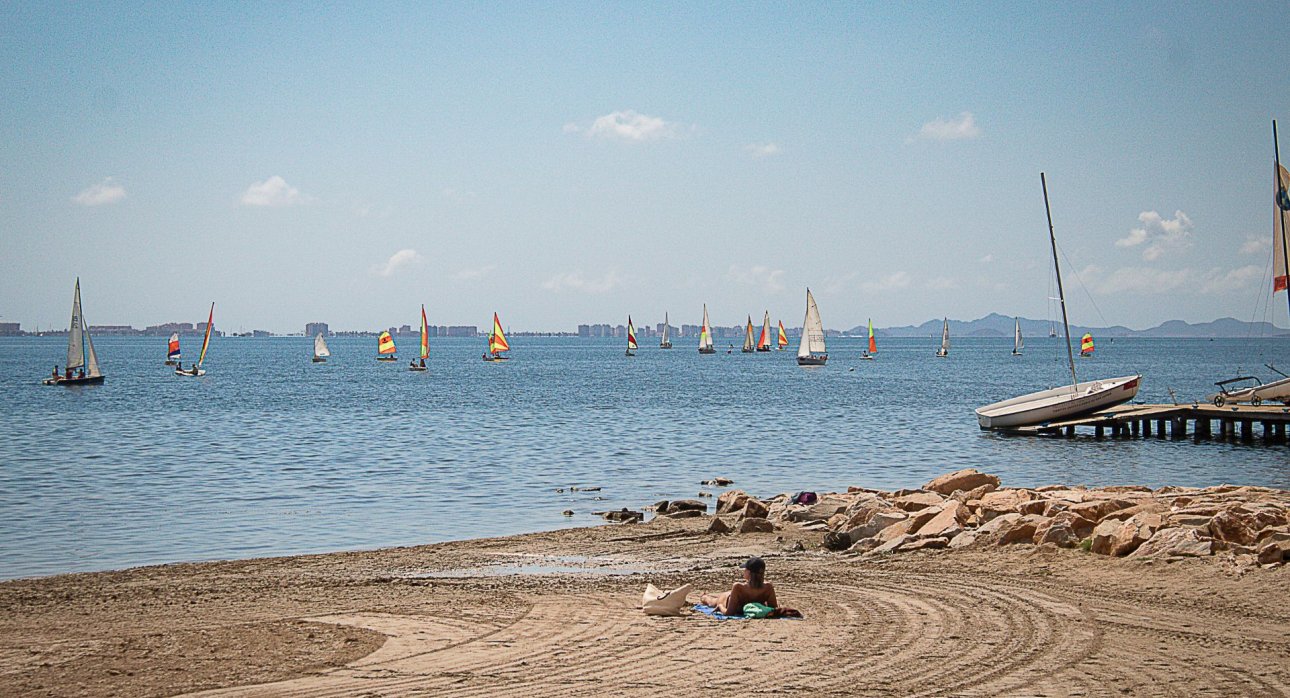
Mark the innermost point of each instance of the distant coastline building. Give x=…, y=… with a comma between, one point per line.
x=316, y=328
x=10, y=329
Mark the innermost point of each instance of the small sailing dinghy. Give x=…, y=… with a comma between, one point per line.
x=666, y=341
x=1086, y=346
x=1017, y=343
x=321, y=352
x=872, y=350
x=385, y=347
x=944, y=351
x=763, y=342
x=197, y=369
x=82, y=363
x=749, y=346
x=811, y=351
x=1067, y=401
x=631, y=337
x=172, y=349
x=497, y=343
x=705, y=335
x=782, y=340
x=425, y=344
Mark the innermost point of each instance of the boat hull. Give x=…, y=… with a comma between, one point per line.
x=1277, y=390
x=88, y=380
x=319, y=360
x=707, y=351
x=190, y=374
x=665, y=346
x=418, y=369
x=812, y=360
x=763, y=349
x=1058, y=403
x=387, y=358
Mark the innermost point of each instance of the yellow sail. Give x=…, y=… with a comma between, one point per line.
x=1086, y=344
x=783, y=336
x=425, y=338
x=206, y=341
x=385, y=344
x=497, y=340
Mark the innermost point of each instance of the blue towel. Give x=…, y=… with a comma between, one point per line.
x=712, y=611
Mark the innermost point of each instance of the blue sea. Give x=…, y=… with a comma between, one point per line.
x=270, y=454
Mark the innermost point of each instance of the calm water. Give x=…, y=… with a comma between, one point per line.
x=270, y=454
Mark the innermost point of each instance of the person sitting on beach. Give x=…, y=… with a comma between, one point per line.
x=754, y=588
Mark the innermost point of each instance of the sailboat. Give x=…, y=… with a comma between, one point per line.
x=425, y=344
x=385, y=350
x=763, y=341
x=1017, y=343
x=80, y=351
x=666, y=341
x=631, y=337
x=705, y=335
x=749, y=346
x=321, y=352
x=1086, y=345
x=497, y=342
x=872, y=350
x=1067, y=401
x=944, y=351
x=811, y=351
x=206, y=343
x=172, y=349
x=782, y=339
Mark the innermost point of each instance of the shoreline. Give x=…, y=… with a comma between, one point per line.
x=558, y=611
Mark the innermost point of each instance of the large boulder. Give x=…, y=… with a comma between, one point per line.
x=1174, y=542
x=965, y=480
x=1154, y=507
x=949, y=519
x=1133, y=532
x=877, y=523
x=1273, y=552
x=718, y=526
x=917, y=501
x=731, y=501
x=1232, y=526
x=918, y=518
x=963, y=540
x=1058, y=533
x=1103, y=536
x=1020, y=531
x=974, y=493
x=1097, y=509
x=677, y=506
x=1078, y=525
x=755, y=509
x=820, y=511
x=1000, y=502
x=752, y=525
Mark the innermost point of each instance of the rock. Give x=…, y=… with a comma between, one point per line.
x=755, y=525
x=705, y=494
x=731, y=501
x=965, y=480
x=1233, y=526
x=1104, y=536
x=879, y=522
x=1264, y=517
x=895, y=530
x=864, y=545
x=952, y=515
x=820, y=511
x=1034, y=506
x=925, y=543
x=718, y=481
x=975, y=493
x=1097, y=509
x=963, y=540
x=1133, y=532
x=836, y=522
x=1122, y=489
x=918, y=518
x=718, y=526
x=918, y=501
x=660, y=506
x=1198, y=522
x=999, y=502
x=1185, y=542
x=1128, y=512
x=567, y=512
x=1053, y=507
x=623, y=516
x=1280, y=533
x=1058, y=533
x=1021, y=530
x=1272, y=552
x=1079, y=526
x=755, y=509
x=794, y=547
x=997, y=524
x=836, y=540
x=679, y=505
x=891, y=545
x=684, y=514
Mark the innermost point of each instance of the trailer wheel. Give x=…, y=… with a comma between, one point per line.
x=1256, y=401
x=1219, y=400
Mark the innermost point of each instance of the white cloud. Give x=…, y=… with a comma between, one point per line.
x=1218, y=281
x=763, y=150
x=1256, y=245
x=765, y=278
x=986, y=259
x=1159, y=234
x=942, y=283
x=964, y=127
x=471, y=274
x=1147, y=280
x=891, y=282
x=273, y=191
x=575, y=281
x=105, y=192
x=629, y=125
x=397, y=261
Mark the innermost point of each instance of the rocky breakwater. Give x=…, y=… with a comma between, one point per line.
x=968, y=508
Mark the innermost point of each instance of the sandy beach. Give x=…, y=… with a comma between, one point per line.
x=558, y=613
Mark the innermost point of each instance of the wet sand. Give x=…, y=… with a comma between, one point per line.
x=501, y=617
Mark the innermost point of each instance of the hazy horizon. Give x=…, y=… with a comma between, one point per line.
x=580, y=162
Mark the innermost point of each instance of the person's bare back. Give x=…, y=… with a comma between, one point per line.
x=753, y=590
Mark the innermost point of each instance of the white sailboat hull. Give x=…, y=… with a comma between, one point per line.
x=1058, y=403
x=1276, y=390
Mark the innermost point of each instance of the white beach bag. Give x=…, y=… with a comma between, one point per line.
x=663, y=603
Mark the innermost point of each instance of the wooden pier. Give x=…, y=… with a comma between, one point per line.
x=1247, y=423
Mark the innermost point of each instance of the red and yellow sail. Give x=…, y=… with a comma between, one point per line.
x=1086, y=344
x=873, y=346
x=497, y=340
x=206, y=341
x=425, y=335
x=763, y=342
x=783, y=336
x=631, y=334
x=385, y=344
x=172, y=348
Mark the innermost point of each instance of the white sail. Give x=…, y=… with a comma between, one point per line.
x=666, y=341
x=320, y=347
x=812, y=330
x=75, y=342
x=945, y=337
x=748, y=336
x=705, y=334
x=1017, y=343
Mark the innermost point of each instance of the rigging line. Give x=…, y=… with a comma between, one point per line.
x=1071, y=265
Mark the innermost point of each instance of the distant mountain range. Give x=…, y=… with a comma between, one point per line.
x=996, y=325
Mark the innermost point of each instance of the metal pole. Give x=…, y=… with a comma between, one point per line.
x=1061, y=295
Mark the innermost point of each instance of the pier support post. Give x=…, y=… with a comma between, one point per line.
x=1097, y=431
x=1267, y=432
x=1247, y=429
x=1160, y=428
x=1224, y=428
x=1070, y=431
x=1146, y=428
x=1134, y=426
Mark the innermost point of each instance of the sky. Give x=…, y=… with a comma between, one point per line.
x=576, y=162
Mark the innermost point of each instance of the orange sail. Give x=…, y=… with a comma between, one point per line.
x=425, y=339
x=783, y=336
x=763, y=341
x=497, y=340
x=1086, y=344
x=385, y=344
x=206, y=340
x=873, y=346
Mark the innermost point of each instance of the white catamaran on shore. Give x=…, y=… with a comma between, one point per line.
x=82, y=363
x=1067, y=401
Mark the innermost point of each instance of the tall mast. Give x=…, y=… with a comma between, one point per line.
x=1061, y=294
x=1281, y=213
